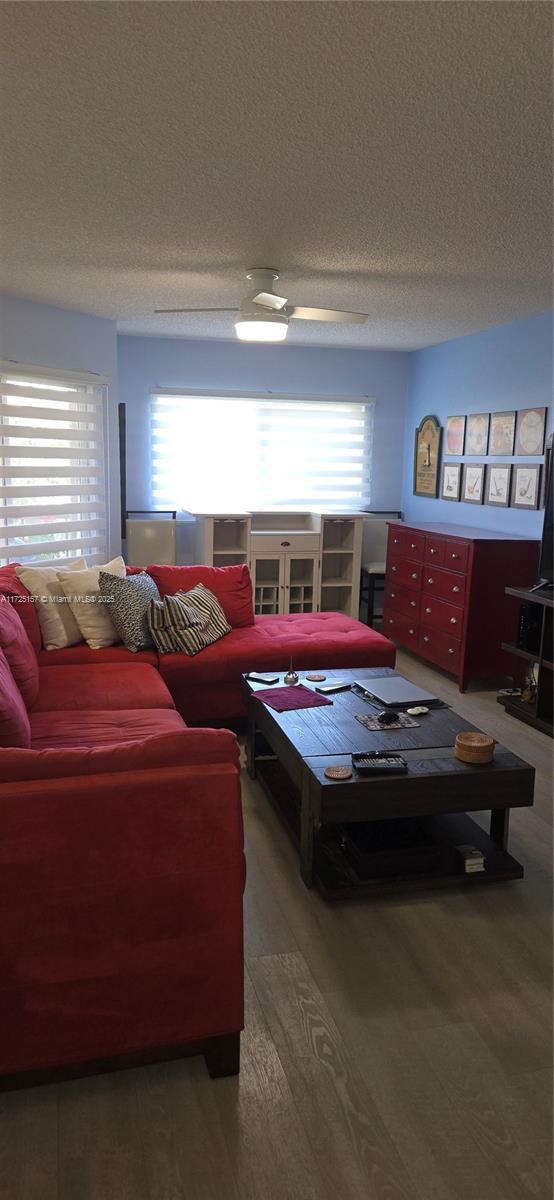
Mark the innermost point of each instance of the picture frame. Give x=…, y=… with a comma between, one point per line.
x=473, y=483
x=477, y=434
x=454, y=435
x=426, y=457
x=451, y=481
x=530, y=430
x=497, y=485
x=502, y=432
x=526, y=486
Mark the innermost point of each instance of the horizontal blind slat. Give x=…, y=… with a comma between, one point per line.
x=47, y=527
x=62, y=415
x=50, y=547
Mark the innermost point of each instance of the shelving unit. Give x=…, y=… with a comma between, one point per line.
x=539, y=711
x=340, y=563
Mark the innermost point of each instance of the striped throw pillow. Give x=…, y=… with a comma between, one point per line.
x=187, y=621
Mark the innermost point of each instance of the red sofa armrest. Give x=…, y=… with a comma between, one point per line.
x=188, y=747
x=120, y=908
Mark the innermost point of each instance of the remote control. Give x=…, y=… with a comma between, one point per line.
x=327, y=688
x=375, y=761
x=263, y=678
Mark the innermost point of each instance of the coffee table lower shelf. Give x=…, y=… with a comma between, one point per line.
x=336, y=878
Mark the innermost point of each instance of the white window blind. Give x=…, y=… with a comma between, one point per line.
x=211, y=452
x=52, y=468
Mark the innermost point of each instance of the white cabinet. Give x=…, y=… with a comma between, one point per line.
x=285, y=583
x=300, y=562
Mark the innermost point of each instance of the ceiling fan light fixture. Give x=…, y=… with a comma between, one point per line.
x=262, y=327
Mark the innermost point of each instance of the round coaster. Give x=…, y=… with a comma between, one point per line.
x=313, y=678
x=338, y=772
x=418, y=711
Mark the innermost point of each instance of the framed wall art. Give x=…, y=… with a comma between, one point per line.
x=451, y=479
x=530, y=431
x=473, y=483
x=497, y=487
x=477, y=433
x=526, y=490
x=454, y=435
x=503, y=428
x=426, y=457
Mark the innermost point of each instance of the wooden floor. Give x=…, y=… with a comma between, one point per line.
x=398, y=1048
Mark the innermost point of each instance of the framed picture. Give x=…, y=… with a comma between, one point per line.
x=426, y=457
x=451, y=479
x=503, y=428
x=477, y=433
x=526, y=490
x=454, y=435
x=530, y=431
x=497, y=490
x=473, y=483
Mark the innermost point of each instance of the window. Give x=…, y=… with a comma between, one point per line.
x=228, y=452
x=52, y=471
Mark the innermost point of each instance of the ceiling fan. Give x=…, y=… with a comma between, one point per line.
x=264, y=317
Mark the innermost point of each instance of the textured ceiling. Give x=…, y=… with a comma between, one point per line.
x=388, y=157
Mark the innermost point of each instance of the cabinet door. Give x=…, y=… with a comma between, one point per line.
x=301, y=583
x=268, y=574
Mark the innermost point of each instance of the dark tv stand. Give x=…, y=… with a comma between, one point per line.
x=538, y=712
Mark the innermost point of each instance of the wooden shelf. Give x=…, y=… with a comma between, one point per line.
x=531, y=656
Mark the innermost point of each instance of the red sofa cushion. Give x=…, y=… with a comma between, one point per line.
x=14, y=720
x=231, y=585
x=208, y=688
x=17, y=594
x=19, y=653
x=81, y=654
x=95, y=729
x=109, y=687
x=180, y=747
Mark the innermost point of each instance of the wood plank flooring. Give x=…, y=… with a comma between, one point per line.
x=395, y=1049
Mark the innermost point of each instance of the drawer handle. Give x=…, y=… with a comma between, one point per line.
x=414, y=574
x=453, y=621
x=412, y=603
x=450, y=650
x=426, y=639
x=393, y=595
x=413, y=545
x=394, y=568
x=391, y=622
x=430, y=581
x=433, y=551
x=455, y=588
x=411, y=631
x=285, y=543
x=395, y=541
x=454, y=555
x=427, y=610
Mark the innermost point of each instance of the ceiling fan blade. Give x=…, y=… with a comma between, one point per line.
x=193, y=310
x=327, y=314
x=269, y=300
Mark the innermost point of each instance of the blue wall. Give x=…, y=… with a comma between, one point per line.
x=501, y=369
x=44, y=336
x=147, y=363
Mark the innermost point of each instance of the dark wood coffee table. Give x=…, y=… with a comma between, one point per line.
x=289, y=751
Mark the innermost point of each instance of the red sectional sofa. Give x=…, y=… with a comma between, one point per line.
x=121, y=861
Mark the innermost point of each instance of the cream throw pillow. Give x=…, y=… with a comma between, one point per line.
x=92, y=615
x=57, y=623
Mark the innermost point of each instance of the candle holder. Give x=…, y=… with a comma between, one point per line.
x=291, y=677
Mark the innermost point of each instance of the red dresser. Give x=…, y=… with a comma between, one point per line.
x=445, y=599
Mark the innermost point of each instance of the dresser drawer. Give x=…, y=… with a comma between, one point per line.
x=402, y=600
x=402, y=571
x=444, y=584
x=456, y=555
x=437, y=614
x=435, y=548
x=440, y=648
x=399, y=627
x=406, y=542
